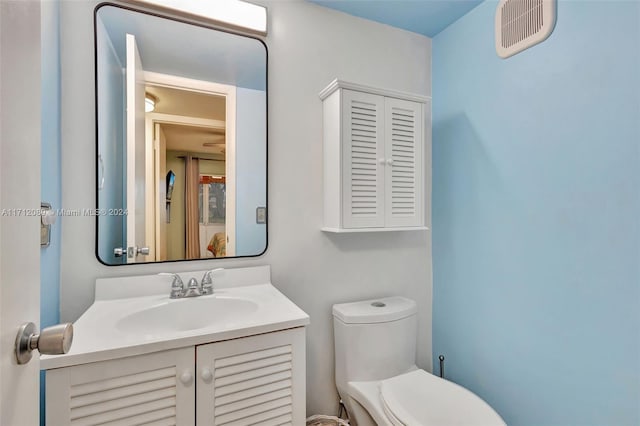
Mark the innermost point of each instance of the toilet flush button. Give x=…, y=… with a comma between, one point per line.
x=378, y=304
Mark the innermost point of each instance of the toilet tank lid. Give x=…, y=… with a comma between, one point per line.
x=375, y=310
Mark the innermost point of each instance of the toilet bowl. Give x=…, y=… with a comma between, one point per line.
x=376, y=375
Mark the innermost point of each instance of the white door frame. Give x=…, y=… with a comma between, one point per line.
x=137, y=232
x=156, y=206
x=229, y=92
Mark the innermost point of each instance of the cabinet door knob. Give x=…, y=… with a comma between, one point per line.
x=389, y=161
x=186, y=378
x=381, y=160
x=206, y=375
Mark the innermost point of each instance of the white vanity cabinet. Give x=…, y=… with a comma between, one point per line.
x=156, y=388
x=255, y=380
x=249, y=380
x=373, y=144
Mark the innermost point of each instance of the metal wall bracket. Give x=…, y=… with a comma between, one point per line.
x=47, y=218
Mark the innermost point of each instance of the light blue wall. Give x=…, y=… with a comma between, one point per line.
x=112, y=151
x=50, y=160
x=536, y=213
x=50, y=167
x=251, y=154
x=427, y=17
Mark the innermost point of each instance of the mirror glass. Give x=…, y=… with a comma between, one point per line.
x=181, y=140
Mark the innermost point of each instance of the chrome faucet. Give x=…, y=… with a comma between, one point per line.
x=193, y=289
x=207, y=281
x=177, y=286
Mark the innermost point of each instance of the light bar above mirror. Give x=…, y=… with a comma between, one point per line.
x=233, y=12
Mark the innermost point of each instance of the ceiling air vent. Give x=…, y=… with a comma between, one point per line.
x=521, y=24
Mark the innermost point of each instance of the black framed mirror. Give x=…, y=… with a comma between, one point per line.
x=181, y=129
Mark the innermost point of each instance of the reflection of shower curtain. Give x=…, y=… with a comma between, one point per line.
x=192, y=218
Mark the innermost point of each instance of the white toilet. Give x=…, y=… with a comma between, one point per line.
x=376, y=375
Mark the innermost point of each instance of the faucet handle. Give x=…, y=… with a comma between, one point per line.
x=193, y=284
x=177, y=286
x=193, y=288
x=207, y=281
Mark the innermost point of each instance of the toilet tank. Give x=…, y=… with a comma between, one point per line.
x=374, y=339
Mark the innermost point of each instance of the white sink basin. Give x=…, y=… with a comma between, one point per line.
x=134, y=315
x=185, y=315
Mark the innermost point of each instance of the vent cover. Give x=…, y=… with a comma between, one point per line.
x=521, y=24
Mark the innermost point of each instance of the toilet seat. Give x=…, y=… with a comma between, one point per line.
x=419, y=398
x=367, y=394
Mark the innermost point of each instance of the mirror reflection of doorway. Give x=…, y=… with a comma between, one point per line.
x=195, y=144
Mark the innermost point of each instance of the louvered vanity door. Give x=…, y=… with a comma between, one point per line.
x=362, y=168
x=156, y=389
x=403, y=165
x=253, y=380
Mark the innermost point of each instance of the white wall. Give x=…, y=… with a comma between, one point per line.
x=308, y=47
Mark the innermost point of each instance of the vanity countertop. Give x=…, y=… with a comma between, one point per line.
x=144, y=320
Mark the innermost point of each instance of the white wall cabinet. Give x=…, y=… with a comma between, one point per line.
x=373, y=158
x=251, y=380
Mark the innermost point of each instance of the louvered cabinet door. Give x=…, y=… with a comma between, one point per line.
x=258, y=380
x=148, y=389
x=403, y=165
x=362, y=153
